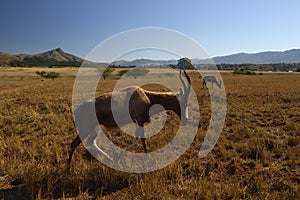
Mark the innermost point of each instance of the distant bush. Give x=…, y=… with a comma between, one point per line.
x=244, y=72
x=41, y=73
x=124, y=71
x=138, y=71
x=50, y=75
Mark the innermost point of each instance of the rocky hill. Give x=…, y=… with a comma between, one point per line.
x=55, y=57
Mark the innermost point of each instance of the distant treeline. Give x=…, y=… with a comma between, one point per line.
x=262, y=67
x=276, y=67
x=38, y=61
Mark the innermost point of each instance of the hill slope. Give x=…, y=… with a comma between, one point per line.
x=6, y=58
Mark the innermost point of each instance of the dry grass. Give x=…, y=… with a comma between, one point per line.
x=256, y=157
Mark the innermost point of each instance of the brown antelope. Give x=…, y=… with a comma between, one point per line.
x=140, y=101
x=211, y=79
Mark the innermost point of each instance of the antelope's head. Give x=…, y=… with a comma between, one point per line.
x=183, y=97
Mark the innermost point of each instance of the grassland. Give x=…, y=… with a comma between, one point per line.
x=256, y=157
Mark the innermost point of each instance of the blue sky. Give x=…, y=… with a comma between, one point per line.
x=220, y=27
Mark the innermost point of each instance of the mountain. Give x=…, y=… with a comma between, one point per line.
x=55, y=57
x=121, y=63
x=289, y=56
x=58, y=55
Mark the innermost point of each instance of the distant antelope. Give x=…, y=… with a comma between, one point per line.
x=211, y=79
x=140, y=102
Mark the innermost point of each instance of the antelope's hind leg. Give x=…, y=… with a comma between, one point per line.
x=75, y=143
x=140, y=135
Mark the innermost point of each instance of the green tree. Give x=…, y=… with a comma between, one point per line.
x=184, y=63
x=107, y=72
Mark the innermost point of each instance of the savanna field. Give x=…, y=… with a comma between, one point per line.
x=256, y=157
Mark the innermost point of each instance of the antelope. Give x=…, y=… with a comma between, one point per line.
x=211, y=79
x=140, y=101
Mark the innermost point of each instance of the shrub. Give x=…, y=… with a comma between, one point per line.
x=244, y=72
x=124, y=71
x=51, y=75
x=137, y=72
x=40, y=73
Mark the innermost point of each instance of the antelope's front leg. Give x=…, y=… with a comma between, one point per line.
x=140, y=134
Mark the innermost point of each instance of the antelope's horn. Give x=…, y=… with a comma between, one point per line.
x=188, y=87
x=183, y=83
